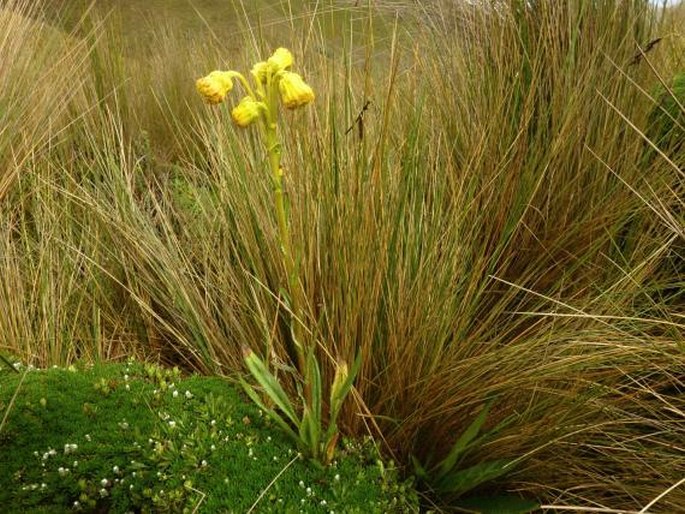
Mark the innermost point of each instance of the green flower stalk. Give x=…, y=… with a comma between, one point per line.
x=276, y=85
x=261, y=106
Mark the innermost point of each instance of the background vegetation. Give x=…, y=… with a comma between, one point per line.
x=505, y=226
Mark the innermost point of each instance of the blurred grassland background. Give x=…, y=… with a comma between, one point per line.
x=509, y=224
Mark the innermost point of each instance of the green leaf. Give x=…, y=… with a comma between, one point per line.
x=462, y=481
x=462, y=443
x=419, y=470
x=315, y=384
x=312, y=433
x=505, y=504
x=270, y=412
x=270, y=385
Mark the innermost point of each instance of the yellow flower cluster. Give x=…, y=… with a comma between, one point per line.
x=269, y=75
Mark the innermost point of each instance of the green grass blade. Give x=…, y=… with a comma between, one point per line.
x=460, y=482
x=462, y=443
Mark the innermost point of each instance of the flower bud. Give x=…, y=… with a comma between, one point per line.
x=246, y=112
x=338, y=389
x=280, y=60
x=294, y=91
x=215, y=86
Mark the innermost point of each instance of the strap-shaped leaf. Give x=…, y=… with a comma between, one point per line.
x=270, y=412
x=312, y=429
x=270, y=385
x=462, y=443
x=315, y=384
x=462, y=481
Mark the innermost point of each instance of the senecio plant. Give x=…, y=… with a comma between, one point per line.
x=276, y=85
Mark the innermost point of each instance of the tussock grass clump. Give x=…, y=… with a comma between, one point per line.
x=493, y=230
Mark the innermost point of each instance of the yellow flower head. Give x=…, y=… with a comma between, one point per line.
x=280, y=60
x=215, y=86
x=246, y=112
x=294, y=91
x=259, y=71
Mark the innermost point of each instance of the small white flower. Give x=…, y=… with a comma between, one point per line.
x=126, y=378
x=87, y=437
x=115, y=470
x=308, y=491
x=127, y=387
x=189, y=395
x=204, y=463
x=213, y=422
x=75, y=464
x=175, y=394
x=336, y=478
x=104, y=482
x=103, y=493
x=302, y=484
x=172, y=423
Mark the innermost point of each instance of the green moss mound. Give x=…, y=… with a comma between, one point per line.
x=139, y=438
